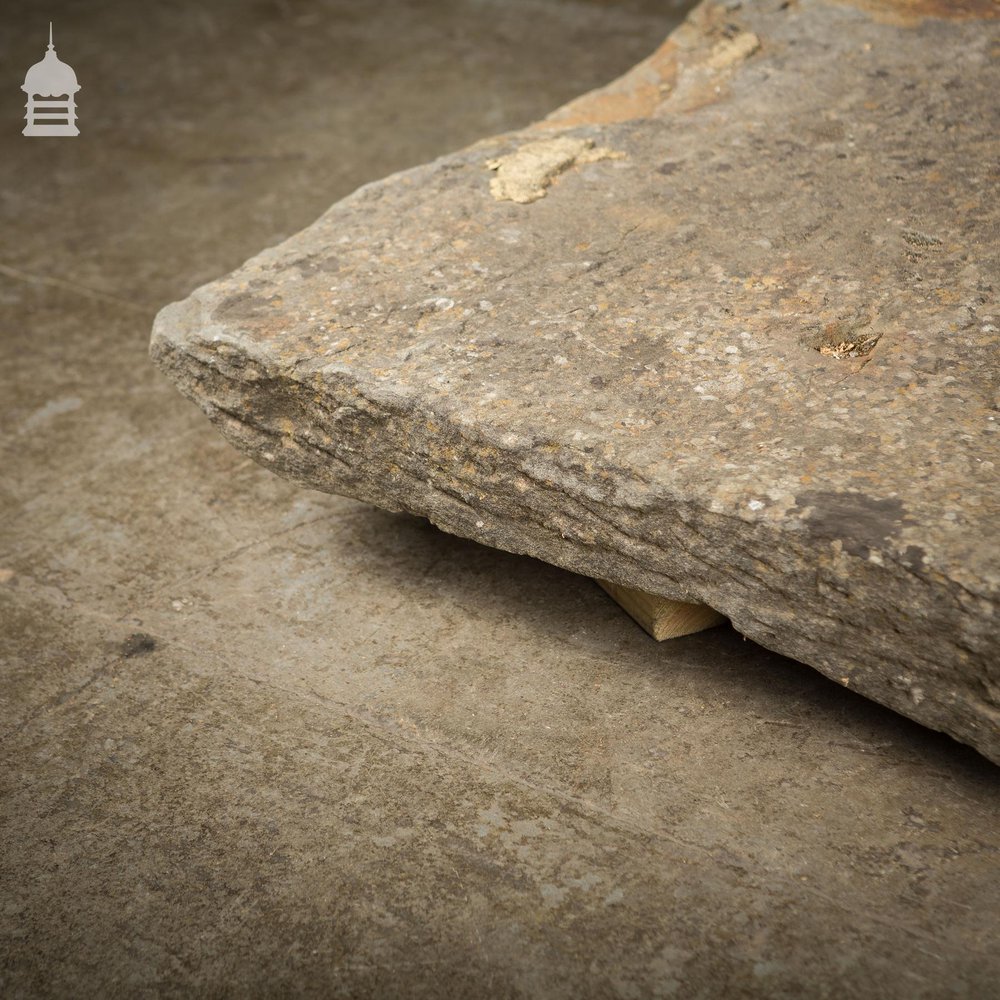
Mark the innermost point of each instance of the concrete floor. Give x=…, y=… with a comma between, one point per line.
x=258, y=741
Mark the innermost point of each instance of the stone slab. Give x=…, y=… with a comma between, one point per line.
x=725, y=331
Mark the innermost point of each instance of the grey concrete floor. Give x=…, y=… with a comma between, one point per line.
x=258, y=741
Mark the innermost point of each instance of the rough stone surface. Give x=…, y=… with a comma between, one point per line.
x=259, y=741
x=752, y=362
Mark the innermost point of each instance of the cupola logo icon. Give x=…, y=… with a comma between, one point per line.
x=51, y=88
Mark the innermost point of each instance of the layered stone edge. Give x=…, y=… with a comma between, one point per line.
x=525, y=498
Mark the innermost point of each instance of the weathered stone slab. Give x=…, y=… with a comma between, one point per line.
x=727, y=332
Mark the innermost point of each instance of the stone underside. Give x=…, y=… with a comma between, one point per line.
x=725, y=331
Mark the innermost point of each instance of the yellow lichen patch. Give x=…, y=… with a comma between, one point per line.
x=731, y=51
x=524, y=175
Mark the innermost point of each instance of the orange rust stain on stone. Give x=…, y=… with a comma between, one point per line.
x=699, y=55
x=637, y=94
x=911, y=12
x=640, y=91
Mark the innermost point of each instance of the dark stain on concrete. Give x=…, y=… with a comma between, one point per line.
x=913, y=557
x=137, y=644
x=861, y=522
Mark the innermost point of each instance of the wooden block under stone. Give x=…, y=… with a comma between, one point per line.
x=661, y=617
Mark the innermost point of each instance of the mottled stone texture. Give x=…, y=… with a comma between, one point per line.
x=748, y=357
